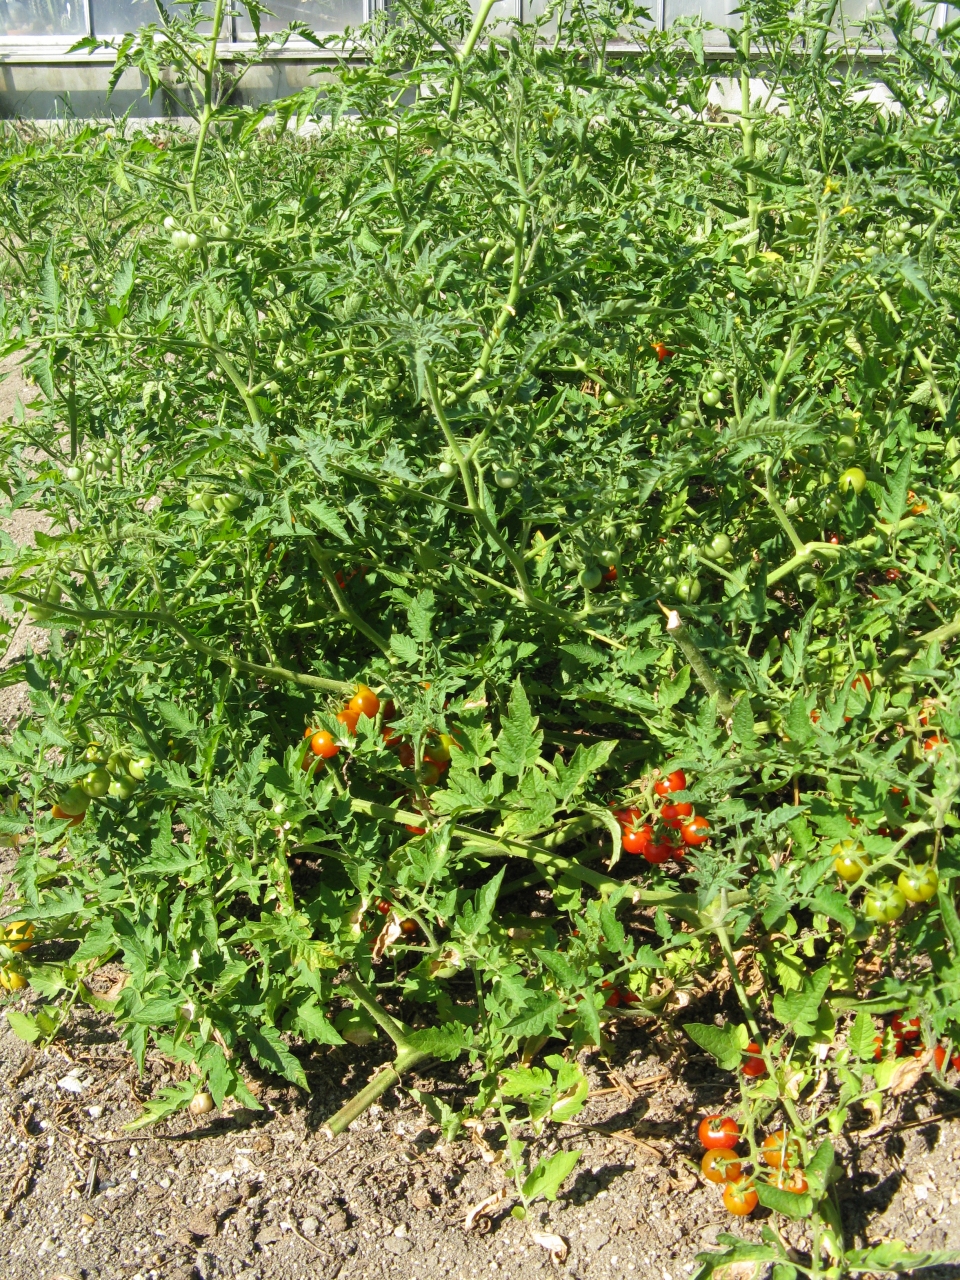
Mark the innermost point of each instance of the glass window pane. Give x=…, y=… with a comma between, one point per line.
x=319, y=15
x=42, y=18
x=718, y=11
x=115, y=17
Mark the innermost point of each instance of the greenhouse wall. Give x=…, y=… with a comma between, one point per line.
x=41, y=79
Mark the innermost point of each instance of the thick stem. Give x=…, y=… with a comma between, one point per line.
x=677, y=631
x=208, y=74
x=476, y=31
x=367, y=1096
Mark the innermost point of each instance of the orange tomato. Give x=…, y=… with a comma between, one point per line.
x=364, y=702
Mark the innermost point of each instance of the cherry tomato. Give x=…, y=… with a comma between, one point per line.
x=628, y=997
x=884, y=903
x=891, y=575
x=506, y=477
x=720, y=546
x=939, y=1056
x=688, y=590
x=794, y=1180
x=711, y=398
x=908, y=1031
x=428, y=775
x=715, y=1132
x=695, y=832
x=323, y=744
x=676, y=781
x=96, y=783
x=590, y=578
x=417, y=831
x=740, y=1198
x=17, y=935
x=628, y=817
x=934, y=742
x=720, y=1166
x=610, y=574
x=850, y=860
x=438, y=750
x=408, y=926
x=407, y=756
x=854, y=478
x=916, y=505
x=663, y=851
x=10, y=980
x=74, y=801
x=349, y=720
x=779, y=1150
x=73, y=818
x=672, y=815
x=662, y=350
x=754, y=1065
x=384, y=907
x=862, y=681
x=920, y=884
x=364, y=702
x=638, y=840
x=613, y=999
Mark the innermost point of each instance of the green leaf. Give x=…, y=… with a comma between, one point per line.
x=742, y=724
x=822, y=1163
x=267, y=1046
x=549, y=1175
x=327, y=518
x=446, y=1042
x=893, y=1255
x=22, y=1025
x=311, y=1023
x=672, y=691
x=520, y=741
x=723, y=1043
x=789, y=1203
x=800, y=1009
x=893, y=503
x=168, y=1101
x=862, y=1036
x=836, y=905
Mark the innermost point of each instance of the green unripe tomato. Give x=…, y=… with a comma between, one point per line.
x=122, y=788
x=609, y=555
x=845, y=447
x=227, y=502
x=720, y=546
x=506, y=477
x=832, y=504
x=688, y=590
x=711, y=398
x=853, y=478
x=612, y=400
x=590, y=578
x=920, y=884
x=74, y=801
x=74, y=474
x=687, y=420
x=718, y=377
x=884, y=903
x=94, y=753
x=140, y=766
x=111, y=452
x=428, y=775
x=96, y=783
x=447, y=469
x=201, y=500
x=850, y=860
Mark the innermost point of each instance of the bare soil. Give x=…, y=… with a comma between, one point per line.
x=265, y=1196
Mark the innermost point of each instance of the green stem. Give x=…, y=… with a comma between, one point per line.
x=677, y=630
x=483, y=13
x=381, y=1082
x=208, y=71
x=343, y=608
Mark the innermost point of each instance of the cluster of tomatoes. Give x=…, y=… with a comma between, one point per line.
x=115, y=773
x=668, y=829
x=905, y=1035
x=16, y=936
x=436, y=752
x=884, y=901
x=779, y=1152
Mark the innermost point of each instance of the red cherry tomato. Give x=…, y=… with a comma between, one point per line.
x=716, y=1132
x=834, y=538
x=417, y=831
x=891, y=575
x=349, y=720
x=610, y=575
x=384, y=907
x=740, y=1198
x=364, y=702
x=754, y=1065
x=638, y=840
x=794, y=1180
x=676, y=781
x=322, y=744
x=862, y=681
x=628, y=997
x=662, y=851
x=662, y=350
x=672, y=815
x=720, y=1166
x=695, y=832
x=908, y=1031
x=627, y=817
x=613, y=999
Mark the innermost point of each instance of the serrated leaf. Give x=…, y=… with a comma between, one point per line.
x=862, y=1036
x=742, y=724
x=519, y=743
x=672, y=691
x=549, y=1175
x=23, y=1026
x=836, y=906
x=722, y=1043
x=267, y=1046
x=800, y=1009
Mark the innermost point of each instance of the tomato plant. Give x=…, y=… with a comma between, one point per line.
x=579, y=468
